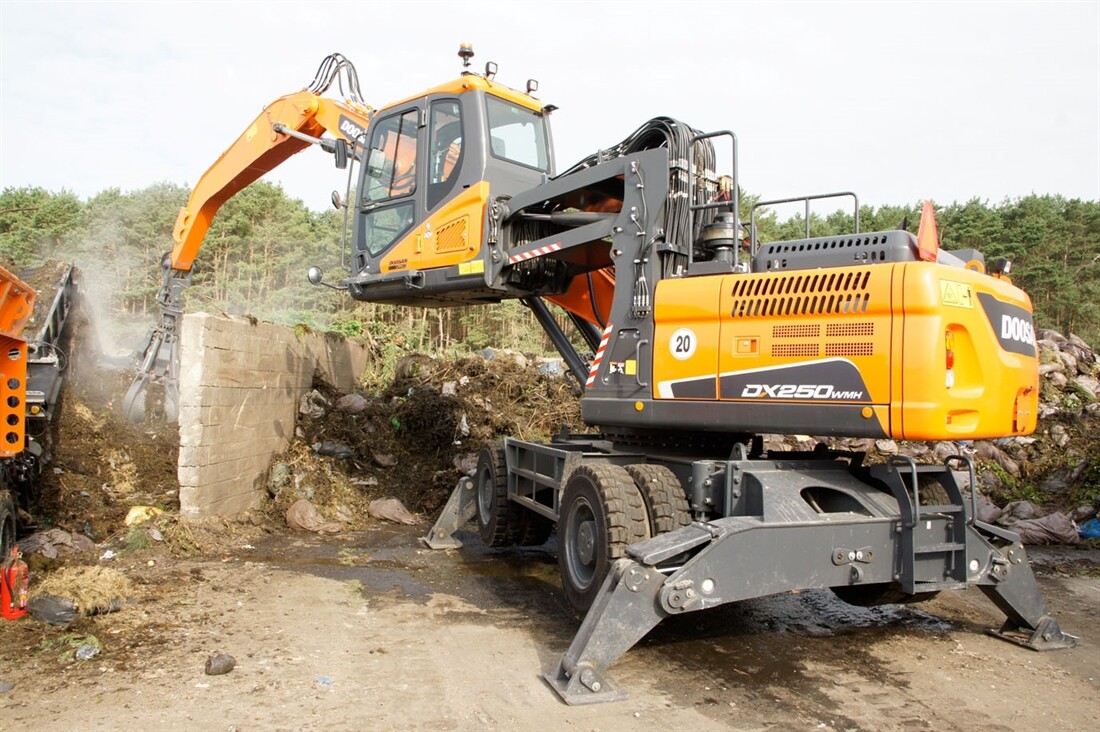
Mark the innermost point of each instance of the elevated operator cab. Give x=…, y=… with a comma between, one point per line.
x=428, y=167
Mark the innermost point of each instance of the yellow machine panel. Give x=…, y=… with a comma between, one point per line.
x=914, y=350
x=451, y=235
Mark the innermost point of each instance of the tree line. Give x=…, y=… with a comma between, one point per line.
x=262, y=242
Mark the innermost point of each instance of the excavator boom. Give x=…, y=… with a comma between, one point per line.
x=285, y=127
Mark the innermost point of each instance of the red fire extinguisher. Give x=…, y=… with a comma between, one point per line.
x=13, y=587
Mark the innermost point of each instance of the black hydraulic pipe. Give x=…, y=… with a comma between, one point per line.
x=561, y=342
x=589, y=332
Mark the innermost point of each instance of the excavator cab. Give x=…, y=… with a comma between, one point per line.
x=429, y=166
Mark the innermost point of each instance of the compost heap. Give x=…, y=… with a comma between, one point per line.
x=415, y=439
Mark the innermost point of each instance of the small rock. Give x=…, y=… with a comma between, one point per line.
x=331, y=448
x=352, y=403
x=1058, y=379
x=312, y=405
x=6, y=686
x=1059, y=435
x=369, y=481
x=450, y=388
x=384, y=460
x=886, y=447
x=220, y=663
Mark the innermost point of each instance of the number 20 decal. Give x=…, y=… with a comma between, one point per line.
x=682, y=344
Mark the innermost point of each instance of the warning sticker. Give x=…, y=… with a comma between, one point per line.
x=616, y=367
x=957, y=294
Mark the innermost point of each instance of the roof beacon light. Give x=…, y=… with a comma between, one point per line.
x=465, y=52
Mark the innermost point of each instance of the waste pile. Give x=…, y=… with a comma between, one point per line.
x=391, y=454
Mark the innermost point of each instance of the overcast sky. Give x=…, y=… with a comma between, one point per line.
x=896, y=101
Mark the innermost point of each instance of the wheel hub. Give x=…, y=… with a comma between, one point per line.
x=586, y=542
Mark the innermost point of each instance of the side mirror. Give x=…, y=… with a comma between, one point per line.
x=341, y=154
x=315, y=275
x=337, y=202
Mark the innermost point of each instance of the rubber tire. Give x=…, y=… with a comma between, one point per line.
x=7, y=525
x=602, y=512
x=665, y=500
x=498, y=520
x=884, y=593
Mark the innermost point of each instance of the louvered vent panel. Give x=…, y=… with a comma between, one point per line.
x=451, y=237
x=821, y=293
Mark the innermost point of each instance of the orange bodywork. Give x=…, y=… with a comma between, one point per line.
x=452, y=235
x=257, y=151
x=16, y=306
x=872, y=337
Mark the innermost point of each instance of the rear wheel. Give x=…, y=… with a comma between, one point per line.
x=664, y=497
x=498, y=519
x=602, y=512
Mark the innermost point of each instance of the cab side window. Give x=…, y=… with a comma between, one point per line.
x=445, y=149
x=391, y=160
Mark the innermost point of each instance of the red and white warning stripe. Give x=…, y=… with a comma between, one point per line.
x=524, y=256
x=599, y=356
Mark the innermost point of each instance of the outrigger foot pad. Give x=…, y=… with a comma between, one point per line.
x=584, y=686
x=1047, y=636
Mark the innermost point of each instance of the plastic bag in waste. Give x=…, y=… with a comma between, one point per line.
x=52, y=609
x=391, y=509
x=304, y=515
x=1090, y=529
x=1057, y=528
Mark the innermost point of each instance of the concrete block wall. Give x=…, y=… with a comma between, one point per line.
x=240, y=383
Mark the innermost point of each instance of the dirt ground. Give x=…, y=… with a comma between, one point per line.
x=368, y=630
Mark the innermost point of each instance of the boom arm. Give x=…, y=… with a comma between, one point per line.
x=286, y=126
x=259, y=150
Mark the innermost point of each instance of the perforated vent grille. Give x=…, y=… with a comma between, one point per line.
x=848, y=242
x=451, y=237
x=787, y=350
x=822, y=293
x=849, y=349
x=796, y=331
x=849, y=330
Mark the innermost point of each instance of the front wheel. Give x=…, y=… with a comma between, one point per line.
x=602, y=512
x=498, y=519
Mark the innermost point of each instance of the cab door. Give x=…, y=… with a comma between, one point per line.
x=387, y=200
